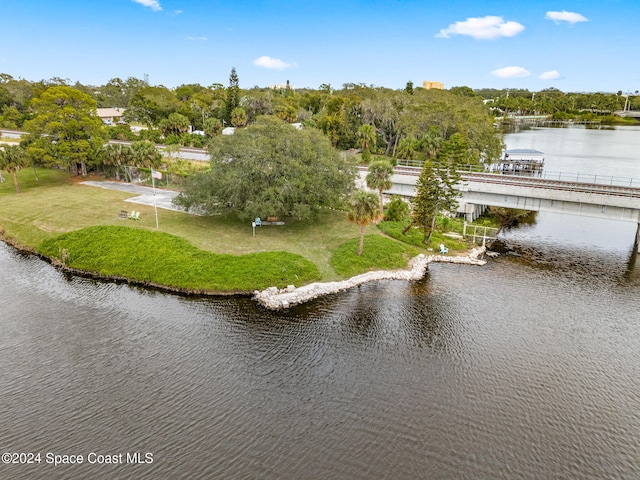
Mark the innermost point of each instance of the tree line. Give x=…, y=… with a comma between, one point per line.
x=268, y=167
x=406, y=122
x=168, y=113
x=560, y=105
x=412, y=123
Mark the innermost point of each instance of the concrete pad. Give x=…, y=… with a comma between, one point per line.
x=145, y=195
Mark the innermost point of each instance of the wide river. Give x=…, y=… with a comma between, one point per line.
x=526, y=368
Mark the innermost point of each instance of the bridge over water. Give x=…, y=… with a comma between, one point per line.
x=598, y=196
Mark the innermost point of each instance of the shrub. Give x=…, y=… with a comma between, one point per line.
x=397, y=210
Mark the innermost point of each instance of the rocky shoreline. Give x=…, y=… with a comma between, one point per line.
x=273, y=298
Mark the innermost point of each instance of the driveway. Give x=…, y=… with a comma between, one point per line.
x=145, y=195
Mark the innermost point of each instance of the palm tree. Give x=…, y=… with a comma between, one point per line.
x=379, y=178
x=408, y=148
x=145, y=154
x=363, y=210
x=238, y=117
x=175, y=124
x=12, y=159
x=431, y=142
x=116, y=154
x=212, y=127
x=366, y=137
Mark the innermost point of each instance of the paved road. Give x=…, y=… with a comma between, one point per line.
x=199, y=154
x=11, y=133
x=161, y=199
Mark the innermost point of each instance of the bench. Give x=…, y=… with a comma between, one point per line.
x=123, y=214
x=270, y=221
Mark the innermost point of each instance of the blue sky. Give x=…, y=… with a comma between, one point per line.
x=570, y=45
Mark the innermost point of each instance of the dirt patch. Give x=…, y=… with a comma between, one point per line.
x=77, y=179
x=46, y=227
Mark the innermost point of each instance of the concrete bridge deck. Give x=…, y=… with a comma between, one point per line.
x=614, y=198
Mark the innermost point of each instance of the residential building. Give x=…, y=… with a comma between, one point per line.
x=428, y=85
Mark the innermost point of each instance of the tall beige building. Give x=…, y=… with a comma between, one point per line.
x=428, y=85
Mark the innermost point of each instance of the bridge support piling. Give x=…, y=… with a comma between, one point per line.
x=636, y=244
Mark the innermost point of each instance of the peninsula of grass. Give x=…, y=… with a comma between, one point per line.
x=379, y=253
x=217, y=254
x=157, y=258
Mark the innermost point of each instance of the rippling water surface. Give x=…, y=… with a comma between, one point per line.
x=526, y=368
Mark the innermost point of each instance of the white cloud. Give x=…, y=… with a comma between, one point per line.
x=201, y=39
x=550, y=75
x=564, y=16
x=152, y=4
x=511, y=72
x=272, y=63
x=484, y=28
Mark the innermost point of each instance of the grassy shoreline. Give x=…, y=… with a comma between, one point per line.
x=210, y=255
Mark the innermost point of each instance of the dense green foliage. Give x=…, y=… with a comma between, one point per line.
x=414, y=236
x=380, y=254
x=561, y=105
x=65, y=130
x=150, y=105
x=398, y=116
x=160, y=258
x=376, y=119
x=397, y=210
x=271, y=169
x=436, y=186
x=175, y=124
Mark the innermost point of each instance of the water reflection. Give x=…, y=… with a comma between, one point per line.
x=525, y=368
x=509, y=369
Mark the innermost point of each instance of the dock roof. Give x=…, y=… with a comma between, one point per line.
x=524, y=151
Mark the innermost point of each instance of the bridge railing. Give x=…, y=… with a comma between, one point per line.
x=479, y=168
x=592, y=178
x=570, y=177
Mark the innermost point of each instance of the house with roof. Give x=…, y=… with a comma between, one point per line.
x=111, y=116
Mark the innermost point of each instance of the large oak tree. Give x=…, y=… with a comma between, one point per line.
x=271, y=169
x=65, y=129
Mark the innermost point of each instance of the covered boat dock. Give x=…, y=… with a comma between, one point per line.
x=520, y=161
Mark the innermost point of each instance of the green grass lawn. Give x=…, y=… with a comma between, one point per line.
x=57, y=204
x=379, y=253
x=165, y=259
x=415, y=237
